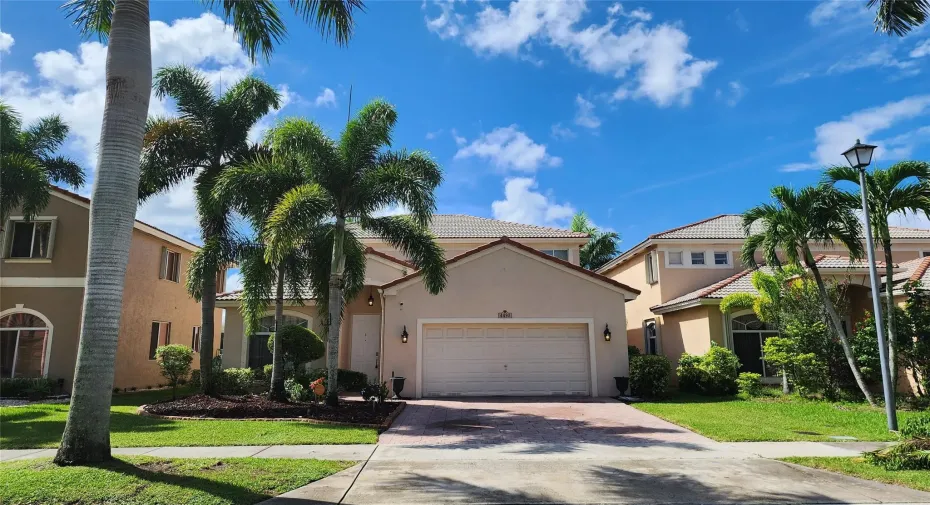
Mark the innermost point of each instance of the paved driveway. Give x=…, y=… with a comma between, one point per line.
x=495, y=421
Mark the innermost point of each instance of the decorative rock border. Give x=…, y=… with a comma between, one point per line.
x=388, y=421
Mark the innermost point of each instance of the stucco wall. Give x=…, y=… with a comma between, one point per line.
x=633, y=274
x=69, y=252
x=678, y=280
x=453, y=249
x=357, y=306
x=689, y=331
x=505, y=279
x=236, y=345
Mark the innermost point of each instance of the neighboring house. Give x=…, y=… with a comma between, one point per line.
x=915, y=270
x=518, y=317
x=42, y=292
x=685, y=272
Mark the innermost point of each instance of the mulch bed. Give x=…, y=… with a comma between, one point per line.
x=260, y=407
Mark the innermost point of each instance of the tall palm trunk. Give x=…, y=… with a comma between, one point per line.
x=889, y=313
x=837, y=325
x=86, y=438
x=335, y=312
x=207, y=312
x=277, y=367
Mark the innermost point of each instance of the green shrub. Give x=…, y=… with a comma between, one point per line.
x=24, y=387
x=632, y=350
x=266, y=371
x=300, y=345
x=714, y=373
x=348, y=380
x=195, y=379
x=235, y=381
x=375, y=391
x=175, y=362
x=296, y=392
x=749, y=385
x=912, y=453
x=649, y=375
x=916, y=427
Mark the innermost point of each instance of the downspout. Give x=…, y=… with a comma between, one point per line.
x=381, y=340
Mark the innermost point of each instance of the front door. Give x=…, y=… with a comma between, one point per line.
x=366, y=343
x=748, y=348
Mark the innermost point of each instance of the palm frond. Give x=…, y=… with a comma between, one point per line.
x=600, y=249
x=258, y=278
x=401, y=178
x=899, y=17
x=255, y=186
x=257, y=23
x=92, y=17
x=307, y=143
x=191, y=92
x=332, y=17
x=46, y=135
x=367, y=133
x=61, y=169
x=25, y=183
x=297, y=213
x=243, y=105
x=172, y=150
x=838, y=173
x=416, y=243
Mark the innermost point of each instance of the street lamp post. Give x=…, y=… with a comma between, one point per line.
x=859, y=157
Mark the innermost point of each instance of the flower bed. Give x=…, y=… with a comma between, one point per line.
x=258, y=407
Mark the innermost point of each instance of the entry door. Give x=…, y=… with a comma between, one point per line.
x=366, y=343
x=505, y=360
x=748, y=348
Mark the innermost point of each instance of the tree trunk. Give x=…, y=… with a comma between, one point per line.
x=86, y=437
x=890, y=313
x=837, y=326
x=207, y=313
x=335, y=313
x=277, y=367
x=785, y=389
x=920, y=391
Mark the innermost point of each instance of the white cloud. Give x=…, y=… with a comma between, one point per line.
x=825, y=11
x=561, y=132
x=233, y=280
x=521, y=204
x=585, y=116
x=509, y=148
x=793, y=77
x=6, y=42
x=738, y=19
x=665, y=72
x=735, y=92
x=920, y=50
x=909, y=220
x=447, y=24
x=433, y=135
x=459, y=141
x=882, y=57
x=836, y=136
x=326, y=98
x=392, y=210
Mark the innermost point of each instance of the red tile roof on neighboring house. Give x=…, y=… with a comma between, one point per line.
x=461, y=226
x=518, y=245
x=375, y=252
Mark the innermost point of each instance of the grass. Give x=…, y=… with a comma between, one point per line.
x=781, y=418
x=41, y=426
x=857, y=467
x=145, y=480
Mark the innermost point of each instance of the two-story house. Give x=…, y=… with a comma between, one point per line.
x=519, y=316
x=42, y=271
x=685, y=272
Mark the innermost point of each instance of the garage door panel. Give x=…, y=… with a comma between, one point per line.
x=505, y=360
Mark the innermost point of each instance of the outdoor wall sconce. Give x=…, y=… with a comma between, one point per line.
x=371, y=300
x=607, y=332
x=404, y=335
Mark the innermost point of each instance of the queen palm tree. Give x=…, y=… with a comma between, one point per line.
x=125, y=23
x=347, y=182
x=899, y=17
x=603, y=244
x=28, y=164
x=209, y=137
x=794, y=220
x=901, y=188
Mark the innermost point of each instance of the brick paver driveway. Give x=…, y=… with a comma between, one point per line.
x=460, y=421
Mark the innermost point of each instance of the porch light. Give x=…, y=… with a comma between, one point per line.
x=607, y=332
x=404, y=335
x=859, y=156
x=371, y=299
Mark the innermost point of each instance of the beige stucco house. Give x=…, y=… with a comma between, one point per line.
x=685, y=272
x=42, y=274
x=518, y=317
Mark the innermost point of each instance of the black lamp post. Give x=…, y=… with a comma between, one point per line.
x=859, y=157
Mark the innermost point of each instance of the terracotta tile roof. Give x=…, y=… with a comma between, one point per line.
x=305, y=294
x=831, y=261
x=730, y=226
x=737, y=283
x=914, y=270
x=518, y=245
x=463, y=226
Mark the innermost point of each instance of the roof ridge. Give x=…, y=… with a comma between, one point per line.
x=921, y=269
x=908, y=228
x=723, y=283
x=702, y=221
x=539, y=227
x=388, y=257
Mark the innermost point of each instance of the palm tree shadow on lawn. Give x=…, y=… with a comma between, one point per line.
x=29, y=429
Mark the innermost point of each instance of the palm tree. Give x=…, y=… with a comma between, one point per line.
x=209, y=137
x=28, y=164
x=347, y=182
x=818, y=214
x=86, y=437
x=899, y=17
x=603, y=244
x=901, y=188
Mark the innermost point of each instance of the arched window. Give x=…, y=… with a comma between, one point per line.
x=259, y=355
x=749, y=335
x=23, y=339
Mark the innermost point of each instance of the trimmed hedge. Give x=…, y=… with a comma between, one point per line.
x=714, y=373
x=22, y=387
x=347, y=380
x=235, y=381
x=649, y=375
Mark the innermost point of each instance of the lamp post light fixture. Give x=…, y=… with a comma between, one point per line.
x=859, y=157
x=404, y=335
x=607, y=332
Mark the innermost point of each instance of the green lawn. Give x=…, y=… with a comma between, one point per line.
x=857, y=467
x=773, y=419
x=146, y=480
x=41, y=425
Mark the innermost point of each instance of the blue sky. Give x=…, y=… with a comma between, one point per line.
x=645, y=115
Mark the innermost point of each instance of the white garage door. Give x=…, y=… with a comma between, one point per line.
x=502, y=359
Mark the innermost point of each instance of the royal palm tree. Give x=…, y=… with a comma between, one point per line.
x=347, y=182
x=794, y=220
x=125, y=23
x=209, y=137
x=601, y=248
x=28, y=164
x=901, y=188
x=899, y=17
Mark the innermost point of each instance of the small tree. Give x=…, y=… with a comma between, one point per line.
x=300, y=345
x=175, y=362
x=915, y=351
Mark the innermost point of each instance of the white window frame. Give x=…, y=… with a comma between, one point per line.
x=551, y=252
x=244, y=357
x=49, y=330
x=762, y=334
x=668, y=258
x=703, y=258
x=726, y=261
x=8, y=238
x=163, y=271
x=652, y=267
x=658, y=346
x=687, y=260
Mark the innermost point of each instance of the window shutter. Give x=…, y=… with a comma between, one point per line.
x=168, y=334
x=51, y=238
x=7, y=237
x=163, y=268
